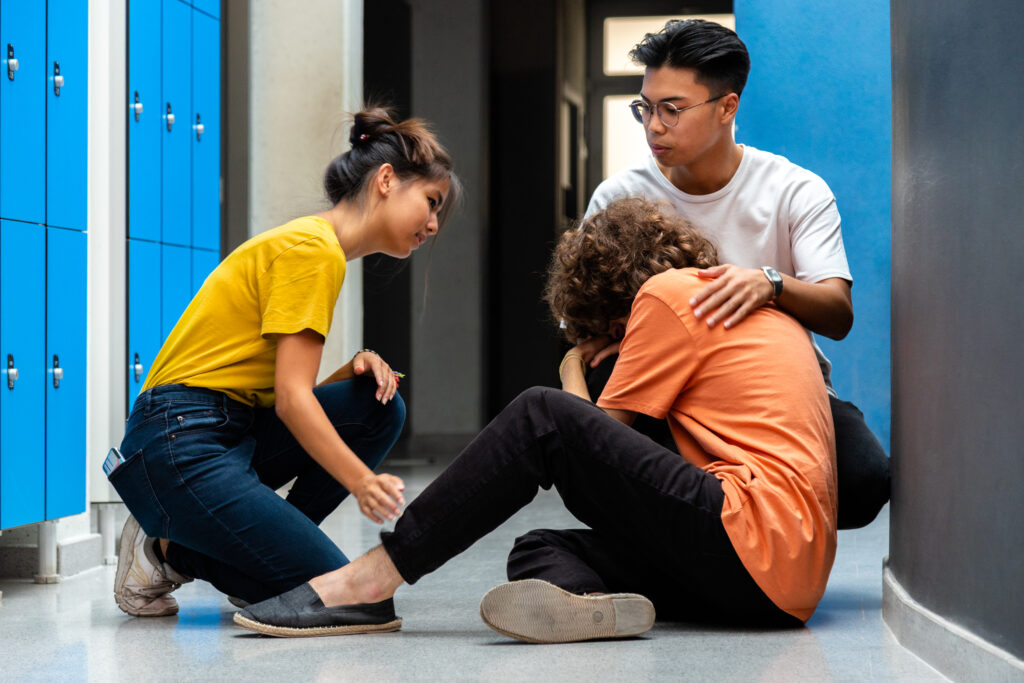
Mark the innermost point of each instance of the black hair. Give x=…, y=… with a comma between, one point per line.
x=715, y=52
x=377, y=139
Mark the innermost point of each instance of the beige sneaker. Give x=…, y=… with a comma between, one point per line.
x=540, y=612
x=142, y=584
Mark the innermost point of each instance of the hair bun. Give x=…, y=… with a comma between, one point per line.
x=370, y=124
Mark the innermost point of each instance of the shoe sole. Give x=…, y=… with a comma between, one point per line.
x=288, y=632
x=125, y=559
x=536, y=611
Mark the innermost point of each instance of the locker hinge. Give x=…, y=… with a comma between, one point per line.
x=58, y=80
x=170, y=118
x=12, y=63
x=137, y=368
x=12, y=372
x=58, y=372
x=200, y=128
x=136, y=106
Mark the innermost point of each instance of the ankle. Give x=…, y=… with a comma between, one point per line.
x=370, y=578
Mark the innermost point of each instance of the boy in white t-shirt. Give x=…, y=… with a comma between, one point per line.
x=775, y=224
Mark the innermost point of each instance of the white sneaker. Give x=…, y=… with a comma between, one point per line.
x=143, y=584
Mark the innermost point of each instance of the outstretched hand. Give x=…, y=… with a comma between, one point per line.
x=732, y=295
x=387, y=380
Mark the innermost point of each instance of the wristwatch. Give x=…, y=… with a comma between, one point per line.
x=774, y=278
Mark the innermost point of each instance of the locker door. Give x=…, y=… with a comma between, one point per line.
x=211, y=7
x=176, y=131
x=22, y=372
x=205, y=140
x=203, y=263
x=23, y=110
x=144, y=119
x=143, y=313
x=176, y=286
x=65, y=371
x=66, y=112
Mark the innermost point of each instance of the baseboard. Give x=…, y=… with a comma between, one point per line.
x=74, y=555
x=951, y=649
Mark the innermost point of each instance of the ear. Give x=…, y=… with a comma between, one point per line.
x=730, y=105
x=385, y=180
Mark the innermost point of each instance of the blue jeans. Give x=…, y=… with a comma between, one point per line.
x=202, y=469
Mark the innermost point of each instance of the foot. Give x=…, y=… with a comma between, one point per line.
x=301, y=613
x=142, y=584
x=540, y=612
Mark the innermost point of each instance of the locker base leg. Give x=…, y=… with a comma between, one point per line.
x=47, y=553
x=108, y=530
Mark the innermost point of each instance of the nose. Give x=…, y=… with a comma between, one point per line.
x=432, y=224
x=655, y=125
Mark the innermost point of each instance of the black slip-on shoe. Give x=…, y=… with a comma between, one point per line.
x=300, y=613
x=540, y=612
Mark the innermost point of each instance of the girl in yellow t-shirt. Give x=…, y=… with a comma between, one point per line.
x=230, y=410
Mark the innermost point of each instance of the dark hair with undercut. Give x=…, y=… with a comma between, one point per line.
x=409, y=146
x=715, y=52
x=597, y=269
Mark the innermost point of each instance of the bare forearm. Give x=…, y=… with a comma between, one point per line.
x=824, y=307
x=573, y=378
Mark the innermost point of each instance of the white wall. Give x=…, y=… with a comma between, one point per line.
x=305, y=75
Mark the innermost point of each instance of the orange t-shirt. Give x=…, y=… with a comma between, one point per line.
x=747, y=405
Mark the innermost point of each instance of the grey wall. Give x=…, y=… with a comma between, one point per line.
x=449, y=73
x=957, y=529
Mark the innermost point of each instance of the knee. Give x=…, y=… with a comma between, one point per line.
x=394, y=414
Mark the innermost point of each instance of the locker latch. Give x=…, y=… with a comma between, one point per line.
x=58, y=372
x=136, y=106
x=137, y=368
x=12, y=63
x=58, y=80
x=12, y=372
x=170, y=117
x=200, y=128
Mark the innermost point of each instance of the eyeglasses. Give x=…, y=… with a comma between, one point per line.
x=668, y=113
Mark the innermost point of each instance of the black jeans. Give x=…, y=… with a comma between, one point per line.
x=655, y=520
x=862, y=467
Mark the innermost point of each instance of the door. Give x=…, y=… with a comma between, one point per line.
x=22, y=453
x=23, y=110
x=66, y=112
x=65, y=361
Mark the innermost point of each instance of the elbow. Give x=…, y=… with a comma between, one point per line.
x=285, y=404
x=841, y=327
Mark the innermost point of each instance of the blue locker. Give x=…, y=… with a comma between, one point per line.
x=65, y=359
x=23, y=110
x=144, y=119
x=67, y=59
x=176, y=131
x=203, y=263
x=22, y=339
x=205, y=132
x=143, y=312
x=211, y=7
x=176, y=286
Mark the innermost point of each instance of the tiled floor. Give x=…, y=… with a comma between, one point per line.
x=73, y=631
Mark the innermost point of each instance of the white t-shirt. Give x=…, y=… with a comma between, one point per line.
x=771, y=213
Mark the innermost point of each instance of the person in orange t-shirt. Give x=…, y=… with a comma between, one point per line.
x=741, y=528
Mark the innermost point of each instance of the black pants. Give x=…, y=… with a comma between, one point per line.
x=655, y=520
x=862, y=467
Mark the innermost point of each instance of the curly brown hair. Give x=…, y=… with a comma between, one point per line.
x=597, y=269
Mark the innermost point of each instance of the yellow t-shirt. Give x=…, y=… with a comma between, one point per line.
x=282, y=281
